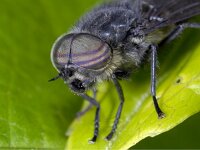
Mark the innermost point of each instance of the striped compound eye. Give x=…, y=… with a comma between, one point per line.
x=83, y=50
x=90, y=52
x=60, y=51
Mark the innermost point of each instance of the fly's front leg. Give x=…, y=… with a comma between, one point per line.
x=97, y=114
x=81, y=113
x=178, y=30
x=117, y=117
x=153, y=50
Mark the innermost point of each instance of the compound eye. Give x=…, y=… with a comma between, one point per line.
x=90, y=52
x=77, y=86
x=60, y=51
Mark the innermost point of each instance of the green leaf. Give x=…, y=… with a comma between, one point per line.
x=34, y=113
x=178, y=92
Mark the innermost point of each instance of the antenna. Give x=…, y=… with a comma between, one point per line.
x=55, y=78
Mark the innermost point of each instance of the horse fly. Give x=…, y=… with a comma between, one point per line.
x=114, y=38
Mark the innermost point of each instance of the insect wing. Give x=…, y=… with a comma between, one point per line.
x=168, y=12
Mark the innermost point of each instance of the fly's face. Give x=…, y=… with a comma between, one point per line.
x=79, y=58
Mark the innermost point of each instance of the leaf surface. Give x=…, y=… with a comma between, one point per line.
x=34, y=113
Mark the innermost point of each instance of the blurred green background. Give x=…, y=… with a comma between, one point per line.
x=35, y=113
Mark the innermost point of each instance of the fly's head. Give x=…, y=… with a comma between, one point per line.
x=80, y=60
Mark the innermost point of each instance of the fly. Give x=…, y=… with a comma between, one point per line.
x=113, y=39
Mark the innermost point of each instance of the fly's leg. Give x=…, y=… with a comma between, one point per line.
x=174, y=34
x=178, y=30
x=96, y=123
x=81, y=113
x=121, y=96
x=153, y=50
